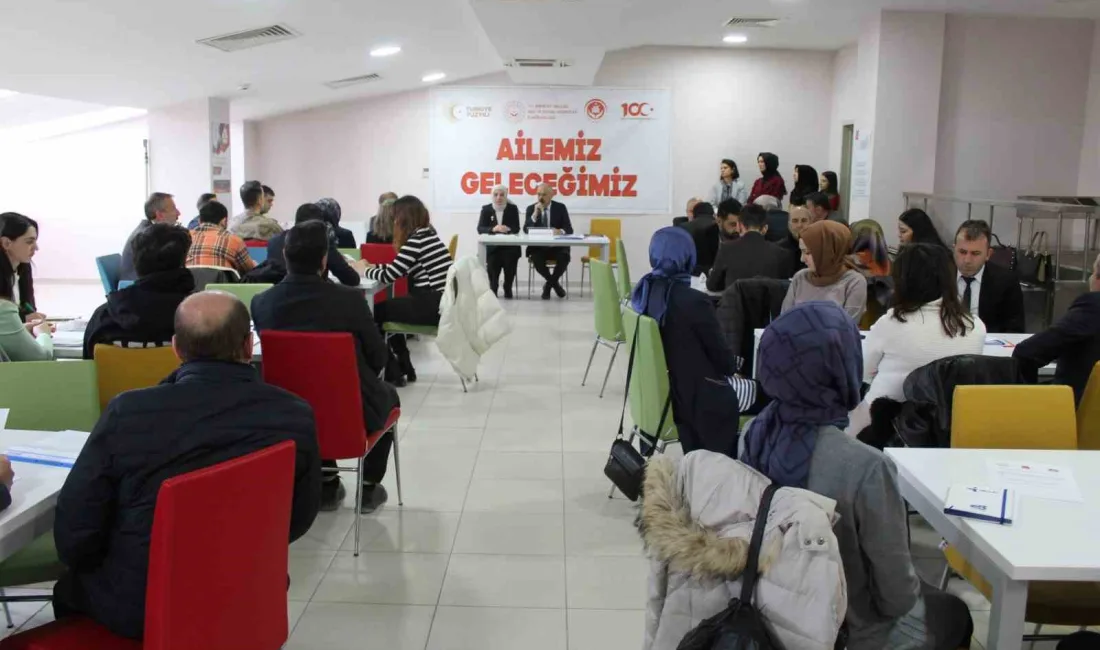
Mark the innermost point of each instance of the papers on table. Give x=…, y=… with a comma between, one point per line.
x=540, y=233
x=1035, y=480
x=995, y=505
x=570, y=237
x=998, y=343
x=4, y=418
x=55, y=450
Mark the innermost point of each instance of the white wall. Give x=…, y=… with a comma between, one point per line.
x=179, y=152
x=726, y=102
x=847, y=100
x=1088, y=175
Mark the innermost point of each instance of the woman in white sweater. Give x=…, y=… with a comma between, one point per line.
x=926, y=323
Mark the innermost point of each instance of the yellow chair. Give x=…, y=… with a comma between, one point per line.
x=1088, y=413
x=613, y=230
x=122, y=369
x=1022, y=417
x=246, y=292
x=452, y=247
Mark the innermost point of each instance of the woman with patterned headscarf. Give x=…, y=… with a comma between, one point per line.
x=810, y=361
x=331, y=209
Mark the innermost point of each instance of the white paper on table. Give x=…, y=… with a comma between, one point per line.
x=4, y=418
x=1035, y=480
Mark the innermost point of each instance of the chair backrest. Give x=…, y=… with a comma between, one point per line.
x=353, y=253
x=246, y=292
x=125, y=284
x=649, y=380
x=255, y=243
x=624, y=270
x=109, y=267
x=207, y=275
x=1013, y=417
x=452, y=247
x=1088, y=413
x=609, y=314
x=50, y=395
x=384, y=254
x=610, y=228
x=258, y=254
x=218, y=555
x=121, y=369
x=321, y=368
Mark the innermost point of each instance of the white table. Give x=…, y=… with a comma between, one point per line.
x=1049, y=540
x=485, y=241
x=996, y=345
x=34, y=494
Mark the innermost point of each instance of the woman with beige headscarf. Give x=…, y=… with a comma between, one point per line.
x=828, y=274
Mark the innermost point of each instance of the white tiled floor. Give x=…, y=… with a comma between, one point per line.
x=506, y=539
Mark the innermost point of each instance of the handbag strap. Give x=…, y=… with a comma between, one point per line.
x=660, y=425
x=629, y=370
x=752, y=567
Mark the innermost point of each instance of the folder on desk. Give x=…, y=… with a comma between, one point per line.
x=996, y=505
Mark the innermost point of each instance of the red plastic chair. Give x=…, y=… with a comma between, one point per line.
x=322, y=369
x=217, y=564
x=384, y=254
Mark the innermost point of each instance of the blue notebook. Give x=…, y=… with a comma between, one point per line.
x=996, y=505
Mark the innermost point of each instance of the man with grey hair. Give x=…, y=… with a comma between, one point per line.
x=1073, y=341
x=548, y=213
x=768, y=202
x=212, y=409
x=159, y=208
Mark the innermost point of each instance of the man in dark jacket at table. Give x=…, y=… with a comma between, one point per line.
x=349, y=274
x=214, y=408
x=749, y=255
x=305, y=302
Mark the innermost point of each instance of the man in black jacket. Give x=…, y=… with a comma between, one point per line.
x=548, y=213
x=214, y=408
x=305, y=302
x=348, y=274
x=750, y=255
x=1074, y=341
x=143, y=315
x=991, y=292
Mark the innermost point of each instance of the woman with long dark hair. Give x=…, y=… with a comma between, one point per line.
x=18, y=318
x=770, y=182
x=729, y=186
x=831, y=188
x=916, y=227
x=805, y=183
x=926, y=323
x=424, y=259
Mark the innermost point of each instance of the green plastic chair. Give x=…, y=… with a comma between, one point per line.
x=625, y=285
x=246, y=292
x=50, y=395
x=609, y=316
x=353, y=253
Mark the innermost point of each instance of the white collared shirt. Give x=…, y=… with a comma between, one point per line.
x=975, y=290
x=15, y=297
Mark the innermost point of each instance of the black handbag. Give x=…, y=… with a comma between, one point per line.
x=1034, y=266
x=625, y=464
x=740, y=625
x=1003, y=256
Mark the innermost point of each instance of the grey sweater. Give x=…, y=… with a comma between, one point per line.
x=850, y=292
x=882, y=583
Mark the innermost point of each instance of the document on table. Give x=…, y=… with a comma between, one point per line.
x=1000, y=343
x=4, y=418
x=1035, y=480
x=56, y=450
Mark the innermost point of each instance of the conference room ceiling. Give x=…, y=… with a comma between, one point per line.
x=144, y=54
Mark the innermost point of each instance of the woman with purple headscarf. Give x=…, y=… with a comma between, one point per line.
x=705, y=406
x=810, y=362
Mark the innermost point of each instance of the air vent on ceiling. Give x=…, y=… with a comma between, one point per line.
x=251, y=38
x=352, y=81
x=752, y=22
x=538, y=63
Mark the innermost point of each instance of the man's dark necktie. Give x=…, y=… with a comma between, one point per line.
x=966, y=293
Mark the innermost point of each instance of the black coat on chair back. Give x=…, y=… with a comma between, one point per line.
x=748, y=305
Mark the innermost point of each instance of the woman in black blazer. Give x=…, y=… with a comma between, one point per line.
x=501, y=217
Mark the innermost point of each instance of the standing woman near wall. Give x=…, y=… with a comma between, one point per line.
x=770, y=182
x=831, y=188
x=805, y=183
x=729, y=186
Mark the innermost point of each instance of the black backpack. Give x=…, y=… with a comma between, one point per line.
x=739, y=626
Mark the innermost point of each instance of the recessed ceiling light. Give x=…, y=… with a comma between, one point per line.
x=735, y=38
x=435, y=76
x=388, y=50
x=4, y=94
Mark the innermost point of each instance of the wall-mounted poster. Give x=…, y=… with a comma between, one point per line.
x=219, y=157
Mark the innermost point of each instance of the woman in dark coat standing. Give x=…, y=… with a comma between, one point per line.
x=708, y=396
x=501, y=217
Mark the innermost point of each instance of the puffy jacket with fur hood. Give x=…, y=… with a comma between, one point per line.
x=471, y=319
x=697, y=519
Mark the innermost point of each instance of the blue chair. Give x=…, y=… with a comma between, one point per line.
x=122, y=284
x=258, y=254
x=110, y=267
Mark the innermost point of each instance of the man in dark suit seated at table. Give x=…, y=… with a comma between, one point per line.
x=1073, y=341
x=704, y=231
x=988, y=290
x=349, y=274
x=212, y=409
x=750, y=255
x=548, y=213
x=305, y=302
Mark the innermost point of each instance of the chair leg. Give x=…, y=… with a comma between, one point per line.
x=610, y=365
x=945, y=578
x=7, y=612
x=1038, y=627
x=358, y=502
x=592, y=356
x=397, y=465
x=530, y=277
x=463, y=380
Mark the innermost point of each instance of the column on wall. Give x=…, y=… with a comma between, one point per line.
x=190, y=152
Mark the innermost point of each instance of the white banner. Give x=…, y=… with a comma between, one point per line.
x=605, y=150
